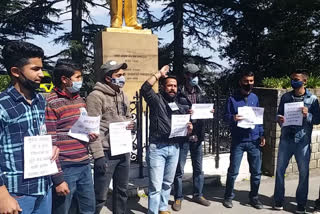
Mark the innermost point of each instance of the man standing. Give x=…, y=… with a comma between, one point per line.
x=163, y=152
x=194, y=143
x=64, y=107
x=248, y=140
x=296, y=140
x=109, y=101
x=22, y=113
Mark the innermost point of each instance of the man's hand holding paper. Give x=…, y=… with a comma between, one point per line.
x=248, y=116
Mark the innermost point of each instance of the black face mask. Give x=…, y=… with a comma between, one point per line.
x=28, y=84
x=247, y=87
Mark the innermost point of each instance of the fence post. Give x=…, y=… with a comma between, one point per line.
x=139, y=133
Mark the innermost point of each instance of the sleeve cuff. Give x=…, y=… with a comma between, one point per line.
x=57, y=179
x=1, y=181
x=309, y=117
x=97, y=155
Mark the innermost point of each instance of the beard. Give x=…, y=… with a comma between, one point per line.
x=168, y=97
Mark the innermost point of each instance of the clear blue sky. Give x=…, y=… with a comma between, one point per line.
x=101, y=16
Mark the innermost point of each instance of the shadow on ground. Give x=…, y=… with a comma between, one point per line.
x=215, y=195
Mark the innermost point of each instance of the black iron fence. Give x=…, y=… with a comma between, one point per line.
x=217, y=135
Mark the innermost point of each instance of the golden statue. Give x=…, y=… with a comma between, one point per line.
x=130, y=13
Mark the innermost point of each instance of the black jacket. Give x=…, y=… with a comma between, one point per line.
x=160, y=113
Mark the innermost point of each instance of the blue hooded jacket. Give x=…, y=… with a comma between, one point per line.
x=233, y=103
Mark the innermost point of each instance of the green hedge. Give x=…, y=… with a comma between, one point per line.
x=285, y=82
x=4, y=82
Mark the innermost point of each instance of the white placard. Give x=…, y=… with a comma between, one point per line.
x=84, y=126
x=202, y=111
x=251, y=116
x=293, y=114
x=179, y=123
x=37, y=155
x=120, y=138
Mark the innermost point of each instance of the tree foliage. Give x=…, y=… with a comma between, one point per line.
x=193, y=24
x=271, y=38
x=22, y=19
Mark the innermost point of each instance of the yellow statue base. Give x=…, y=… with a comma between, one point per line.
x=125, y=29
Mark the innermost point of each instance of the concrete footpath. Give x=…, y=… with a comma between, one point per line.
x=215, y=193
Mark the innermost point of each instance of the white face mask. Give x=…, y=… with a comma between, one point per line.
x=76, y=86
x=194, y=81
x=119, y=81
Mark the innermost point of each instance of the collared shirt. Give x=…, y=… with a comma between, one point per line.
x=192, y=95
x=233, y=103
x=18, y=119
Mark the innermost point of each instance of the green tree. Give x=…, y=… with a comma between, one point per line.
x=193, y=22
x=21, y=19
x=270, y=37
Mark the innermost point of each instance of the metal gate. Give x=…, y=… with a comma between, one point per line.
x=217, y=135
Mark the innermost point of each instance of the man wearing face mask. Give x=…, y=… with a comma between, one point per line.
x=64, y=107
x=194, y=94
x=248, y=140
x=22, y=114
x=296, y=140
x=109, y=101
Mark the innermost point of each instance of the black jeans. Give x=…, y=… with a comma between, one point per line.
x=118, y=170
x=198, y=177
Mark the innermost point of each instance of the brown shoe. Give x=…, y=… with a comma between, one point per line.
x=201, y=200
x=164, y=212
x=176, y=206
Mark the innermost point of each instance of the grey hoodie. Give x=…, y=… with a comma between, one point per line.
x=113, y=107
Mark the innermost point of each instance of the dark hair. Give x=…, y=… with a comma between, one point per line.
x=18, y=53
x=64, y=67
x=109, y=73
x=246, y=74
x=163, y=80
x=300, y=71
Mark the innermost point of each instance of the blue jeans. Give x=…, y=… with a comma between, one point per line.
x=162, y=159
x=196, y=158
x=301, y=152
x=253, y=150
x=34, y=204
x=79, y=180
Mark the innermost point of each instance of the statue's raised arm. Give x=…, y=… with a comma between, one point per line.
x=130, y=13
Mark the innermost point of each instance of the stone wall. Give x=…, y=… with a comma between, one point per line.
x=270, y=100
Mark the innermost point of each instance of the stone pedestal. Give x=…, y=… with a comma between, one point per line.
x=270, y=100
x=139, y=49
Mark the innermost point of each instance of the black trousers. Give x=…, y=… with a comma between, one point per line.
x=118, y=170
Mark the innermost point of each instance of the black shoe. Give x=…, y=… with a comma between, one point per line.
x=228, y=203
x=301, y=209
x=278, y=205
x=256, y=203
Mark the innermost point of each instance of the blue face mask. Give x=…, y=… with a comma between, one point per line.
x=119, y=81
x=194, y=81
x=75, y=87
x=296, y=84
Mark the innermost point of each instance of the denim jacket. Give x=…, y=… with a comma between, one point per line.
x=301, y=133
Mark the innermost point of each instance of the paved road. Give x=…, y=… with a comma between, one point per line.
x=215, y=195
